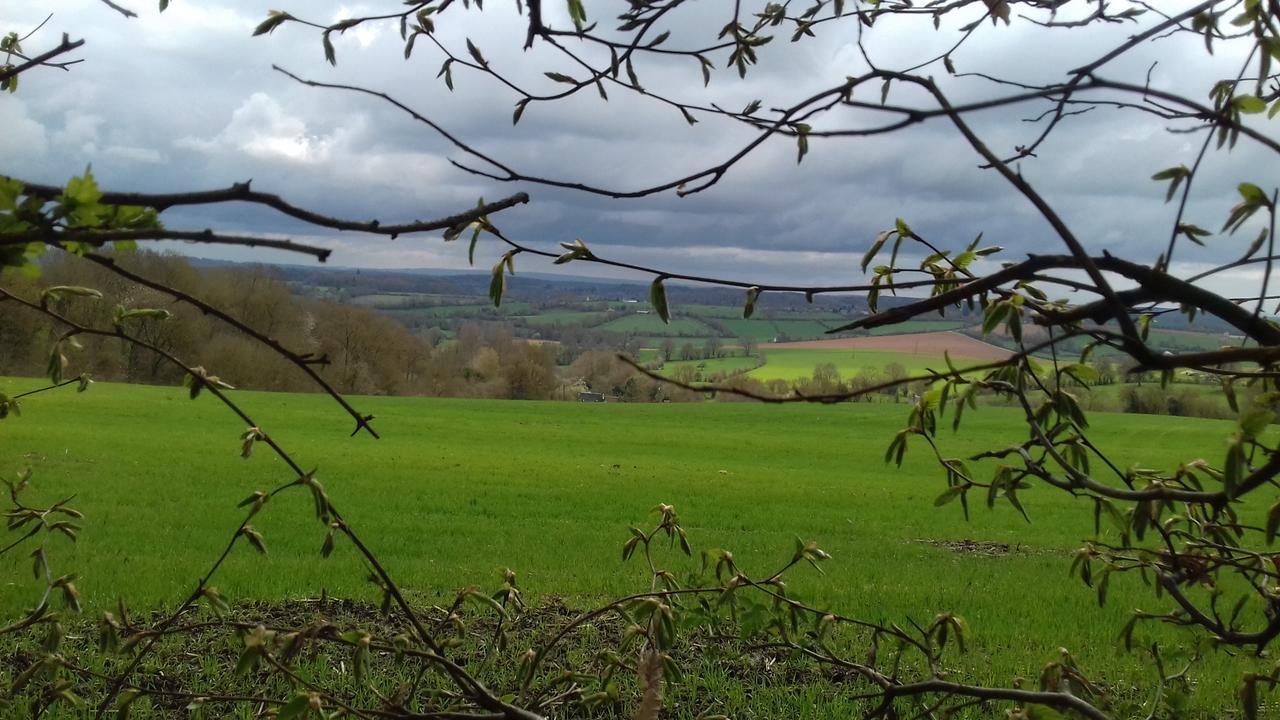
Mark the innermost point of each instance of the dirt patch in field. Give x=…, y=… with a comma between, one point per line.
x=976, y=547
x=930, y=343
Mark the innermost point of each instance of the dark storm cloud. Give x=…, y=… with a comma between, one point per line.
x=188, y=100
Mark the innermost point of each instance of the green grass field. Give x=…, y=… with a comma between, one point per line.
x=735, y=311
x=548, y=318
x=654, y=342
x=402, y=300
x=918, y=326
x=797, y=363
x=651, y=324
x=712, y=366
x=764, y=330
x=459, y=311
x=713, y=311
x=458, y=490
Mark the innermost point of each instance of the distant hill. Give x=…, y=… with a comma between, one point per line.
x=544, y=287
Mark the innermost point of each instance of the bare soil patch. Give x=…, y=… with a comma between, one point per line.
x=976, y=547
x=930, y=343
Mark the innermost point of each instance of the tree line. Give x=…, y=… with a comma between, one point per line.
x=365, y=352
x=359, y=350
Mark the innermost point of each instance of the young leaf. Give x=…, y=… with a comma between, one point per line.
x=330, y=55
x=951, y=493
x=274, y=19
x=753, y=293
x=57, y=292
x=875, y=248
x=658, y=299
x=802, y=140
x=1249, y=104
x=497, y=284
x=475, y=53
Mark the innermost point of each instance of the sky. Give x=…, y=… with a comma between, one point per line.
x=188, y=100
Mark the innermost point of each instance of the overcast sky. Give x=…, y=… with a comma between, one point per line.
x=187, y=100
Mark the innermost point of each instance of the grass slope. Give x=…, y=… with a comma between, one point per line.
x=796, y=363
x=458, y=490
x=709, y=367
x=651, y=324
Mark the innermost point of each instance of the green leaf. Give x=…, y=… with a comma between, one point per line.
x=1249, y=696
x=1083, y=373
x=658, y=299
x=79, y=202
x=753, y=293
x=1014, y=323
x=257, y=499
x=1233, y=468
x=1252, y=193
x=875, y=248
x=326, y=548
x=577, y=13
x=446, y=70
x=454, y=232
x=951, y=493
x=995, y=313
x=631, y=75
x=10, y=191
x=475, y=53
x=1193, y=232
x=1144, y=325
x=802, y=140
x=1249, y=104
x=217, y=603
x=497, y=284
x=274, y=19
x=295, y=708
x=1175, y=176
x=1273, y=522
x=57, y=364
x=57, y=292
x=122, y=314
x=126, y=697
x=520, y=110
x=330, y=55
x=558, y=77
x=1255, y=419
x=255, y=539
x=83, y=188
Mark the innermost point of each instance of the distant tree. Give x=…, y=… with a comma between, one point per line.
x=632, y=346
x=893, y=376
x=748, y=344
x=433, y=336
x=530, y=372
x=668, y=349
x=711, y=348
x=686, y=374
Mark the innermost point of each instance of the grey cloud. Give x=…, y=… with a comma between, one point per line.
x=187, y=100
x=24, y=137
